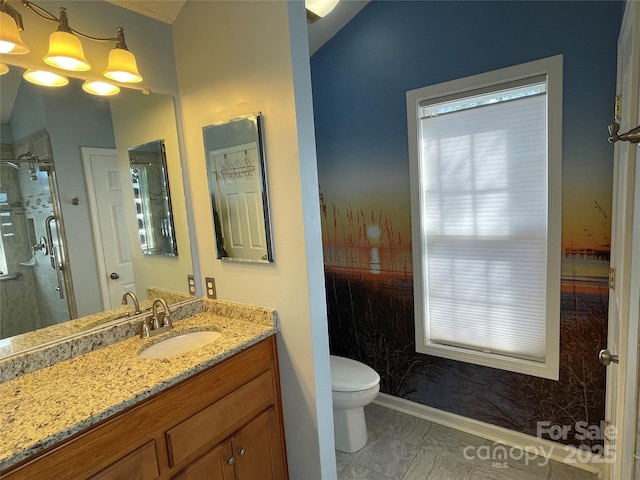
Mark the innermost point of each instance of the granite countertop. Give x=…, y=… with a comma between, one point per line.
x=42, y=408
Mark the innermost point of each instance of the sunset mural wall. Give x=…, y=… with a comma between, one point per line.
x=360, y=79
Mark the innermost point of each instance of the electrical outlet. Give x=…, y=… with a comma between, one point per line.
x=192, y=284
x=210, y=284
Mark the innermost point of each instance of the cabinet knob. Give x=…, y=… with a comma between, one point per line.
x=231, y=461
x=242, y=452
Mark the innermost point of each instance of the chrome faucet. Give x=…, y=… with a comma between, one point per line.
x=166, y=319
x=151, y=325
x=136, y=304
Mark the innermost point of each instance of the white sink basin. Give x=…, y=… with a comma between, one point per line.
x=179, y=344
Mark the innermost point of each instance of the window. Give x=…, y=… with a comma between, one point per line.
x=486, y=213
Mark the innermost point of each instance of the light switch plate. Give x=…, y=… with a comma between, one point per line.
x=192, y=284
x=210, y=287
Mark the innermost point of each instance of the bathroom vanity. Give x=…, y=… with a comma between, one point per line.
x=211, y=413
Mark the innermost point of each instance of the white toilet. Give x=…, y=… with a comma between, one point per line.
x=353, y=386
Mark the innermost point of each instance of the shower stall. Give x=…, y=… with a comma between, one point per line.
x=35, y=283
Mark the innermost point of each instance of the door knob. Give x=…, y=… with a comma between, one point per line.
x=114, y=276
x=606, y=358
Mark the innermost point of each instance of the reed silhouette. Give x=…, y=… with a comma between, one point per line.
x=371, y=319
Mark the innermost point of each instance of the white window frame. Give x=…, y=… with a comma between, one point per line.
x=551, y=68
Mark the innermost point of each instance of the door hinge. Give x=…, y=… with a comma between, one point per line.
x=612, y=278
x=617, y=107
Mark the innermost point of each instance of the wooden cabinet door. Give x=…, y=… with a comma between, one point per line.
x=213, y=465
x=141, y=464
x=257, y=449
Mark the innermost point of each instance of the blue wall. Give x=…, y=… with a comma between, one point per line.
x=5, y=133
x=72, y=117
x=360, y=78
x=29, y=113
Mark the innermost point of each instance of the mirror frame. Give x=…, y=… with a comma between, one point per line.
x=258, y=139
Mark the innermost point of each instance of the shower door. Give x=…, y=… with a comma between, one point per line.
x=35, y=286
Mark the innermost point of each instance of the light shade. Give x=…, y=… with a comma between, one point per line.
x=100, y=88
x=122, y=66
x=320, y=7
x=47, y=79
x=3, y=69
x=10, y=41
x=65, y=51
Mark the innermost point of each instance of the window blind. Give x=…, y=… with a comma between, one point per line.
x=484, y=221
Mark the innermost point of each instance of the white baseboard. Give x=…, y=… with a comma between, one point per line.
x=555, y=451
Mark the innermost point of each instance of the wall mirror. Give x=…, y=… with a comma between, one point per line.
x=234, y=153
x=68, y=238
x=152, y=195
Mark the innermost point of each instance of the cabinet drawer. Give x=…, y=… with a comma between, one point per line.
x=214, y=422
x=141, y=464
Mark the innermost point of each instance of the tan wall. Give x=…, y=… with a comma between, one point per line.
x=237, y=58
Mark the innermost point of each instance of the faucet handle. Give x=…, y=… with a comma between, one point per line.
x=145, y=331
x=166, y=321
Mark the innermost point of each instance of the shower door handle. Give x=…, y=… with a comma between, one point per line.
x=53, y=254
x=58, y=268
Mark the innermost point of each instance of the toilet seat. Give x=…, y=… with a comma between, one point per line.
x=349, y=375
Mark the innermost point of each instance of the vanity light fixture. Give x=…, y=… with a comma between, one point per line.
x=45, y=78
x=103, y=89
x=316, y=9
x=3, y=69
x=65, y=48
x=10, y=26
x=122, y=65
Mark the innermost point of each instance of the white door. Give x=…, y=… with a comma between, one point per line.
x=623, y=333
x=235, y=172
x=634, y=315
x=109, y=223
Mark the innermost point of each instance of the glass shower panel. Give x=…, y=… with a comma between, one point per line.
x=32, y=292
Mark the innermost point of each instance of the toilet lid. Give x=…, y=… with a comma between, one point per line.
x=348, y=375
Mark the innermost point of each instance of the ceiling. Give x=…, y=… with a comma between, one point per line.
x=319, y=32
x=167, y=11
x=324, y=29
x=163, y=10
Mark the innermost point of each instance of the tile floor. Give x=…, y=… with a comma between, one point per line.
x=403, y=447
